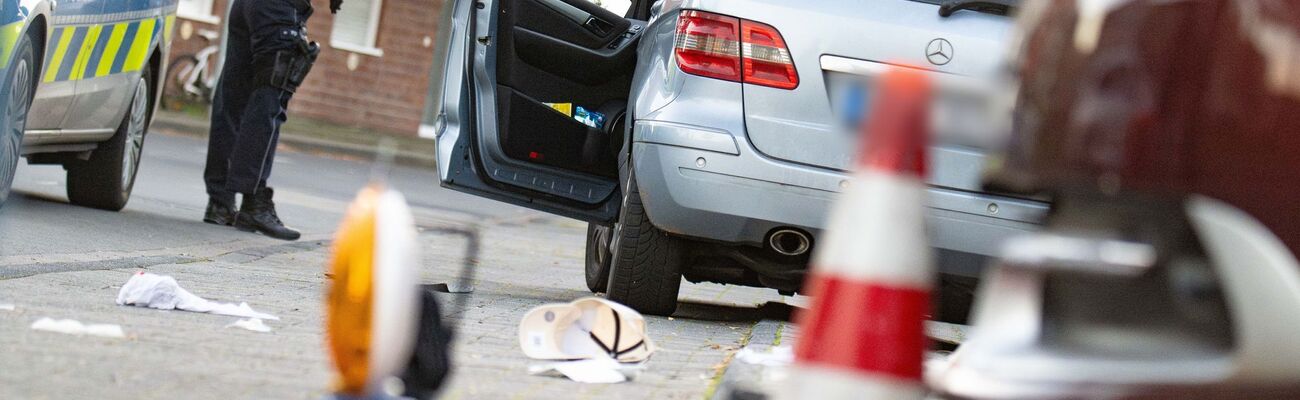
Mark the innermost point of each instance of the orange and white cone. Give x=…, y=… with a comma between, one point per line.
x=863, y=336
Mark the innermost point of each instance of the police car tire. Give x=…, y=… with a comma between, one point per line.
x=646, y=263
x=598, y=257
x=23, y=51
x=97, y=182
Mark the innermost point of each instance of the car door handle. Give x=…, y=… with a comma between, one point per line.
x=569, y=11
x=592, y=23
x=598, y=26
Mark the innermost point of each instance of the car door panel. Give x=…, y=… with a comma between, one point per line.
x=511, y=145
x=112, y=66
x=54, y=91
x=571, y=21
x=568, y=61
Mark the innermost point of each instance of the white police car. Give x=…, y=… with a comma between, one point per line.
x=80, y=82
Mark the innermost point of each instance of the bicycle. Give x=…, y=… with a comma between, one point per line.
x=192, y=78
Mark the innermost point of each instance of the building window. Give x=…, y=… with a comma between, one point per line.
x=197, y=10
x=356, y=27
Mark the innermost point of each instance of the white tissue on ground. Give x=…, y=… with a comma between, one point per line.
x=7, y=307
x=252, y=324
x=163, y=293
x=73, y=327
x=595, y=370
x=774, y=357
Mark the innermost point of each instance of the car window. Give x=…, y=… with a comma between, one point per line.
x=615, y=6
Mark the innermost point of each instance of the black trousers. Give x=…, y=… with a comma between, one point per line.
x=246, y=112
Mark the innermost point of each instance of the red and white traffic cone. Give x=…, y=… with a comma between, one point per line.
x=863, y=337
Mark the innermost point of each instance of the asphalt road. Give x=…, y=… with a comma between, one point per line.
x=168, y=201
x=62, y=261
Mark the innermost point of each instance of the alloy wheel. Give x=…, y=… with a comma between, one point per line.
x=16, y=114
x=135, y=134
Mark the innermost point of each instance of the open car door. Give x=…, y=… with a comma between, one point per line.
x=534, y=98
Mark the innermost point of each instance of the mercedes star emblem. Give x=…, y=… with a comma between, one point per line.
x=939, y=51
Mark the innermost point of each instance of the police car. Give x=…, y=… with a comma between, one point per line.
x=80, y=83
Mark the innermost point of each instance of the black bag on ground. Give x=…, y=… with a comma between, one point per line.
x=431, y=358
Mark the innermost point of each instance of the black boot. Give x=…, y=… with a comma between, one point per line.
x=219, y=214
x=257, y=214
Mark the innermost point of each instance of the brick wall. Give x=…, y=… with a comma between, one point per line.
x=384, y=93
x=187, y=40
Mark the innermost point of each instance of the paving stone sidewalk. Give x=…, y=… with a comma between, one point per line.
x=171, y=354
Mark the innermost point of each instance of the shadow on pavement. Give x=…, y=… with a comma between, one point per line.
x=59, y=207
x=39, y=224
x=730, y=313
x=36, y=197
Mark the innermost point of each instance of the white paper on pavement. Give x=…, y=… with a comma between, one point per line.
x=595, y=370
x=163, y=293
x=73, y=327
x=7, y=307
x=252, y=324
x=778, y=356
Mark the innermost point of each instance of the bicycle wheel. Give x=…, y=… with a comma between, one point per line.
x=180, y=73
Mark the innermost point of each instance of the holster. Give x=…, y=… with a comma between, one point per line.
x=290, y=67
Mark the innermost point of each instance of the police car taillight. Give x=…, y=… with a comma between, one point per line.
x=733, y=49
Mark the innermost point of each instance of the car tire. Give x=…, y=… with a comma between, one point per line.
x=598, y=257
x=105, y=180
x=20, y=85
x=646, y=265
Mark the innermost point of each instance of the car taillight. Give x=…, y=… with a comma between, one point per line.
x=733, y=49
x=766, y=59
x=708, y=45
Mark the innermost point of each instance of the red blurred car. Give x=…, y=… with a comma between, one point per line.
x=1165, y=131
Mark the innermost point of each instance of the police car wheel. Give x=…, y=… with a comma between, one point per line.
x=20, y=84
x=106, y=179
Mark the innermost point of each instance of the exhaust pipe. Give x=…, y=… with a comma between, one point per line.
x=789, y=242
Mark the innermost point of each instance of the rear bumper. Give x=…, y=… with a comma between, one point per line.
x=703, y=183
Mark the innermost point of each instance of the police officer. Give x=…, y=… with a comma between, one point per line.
x=267, y=57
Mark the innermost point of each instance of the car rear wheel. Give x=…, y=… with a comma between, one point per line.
x=598, y=257
x=20, y=83
x=106, y=179
x=646, y=265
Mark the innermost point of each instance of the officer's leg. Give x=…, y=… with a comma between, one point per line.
x=275, y=137
x=275, y=27
x=254, y=149
x=226, y=108
x=250, y=164
x=231, y=98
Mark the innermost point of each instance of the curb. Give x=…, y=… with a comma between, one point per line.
x=196, y=128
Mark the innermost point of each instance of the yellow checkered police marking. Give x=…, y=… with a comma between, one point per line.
x=111, y=51
x=59, y=53
x=140, y=49
x=167, y=28
x=8, y=39
x=91, y=51
x=87, y=47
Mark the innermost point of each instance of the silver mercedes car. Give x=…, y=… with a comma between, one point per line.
x=705, y=139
